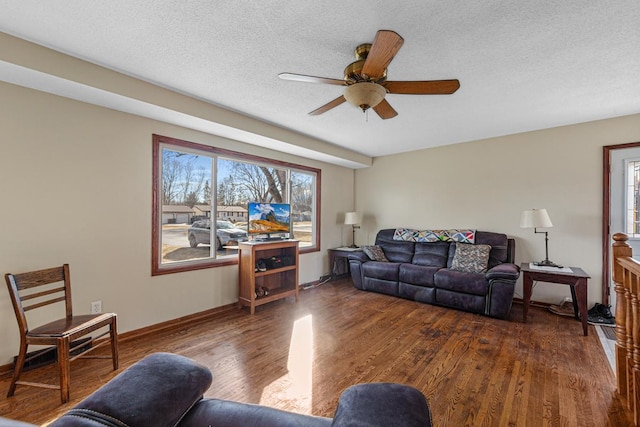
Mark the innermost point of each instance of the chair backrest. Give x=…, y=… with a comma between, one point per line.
x=36, y=289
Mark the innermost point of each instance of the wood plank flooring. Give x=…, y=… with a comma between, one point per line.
x=475, y=371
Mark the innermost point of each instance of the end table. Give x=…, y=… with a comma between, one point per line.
x=576, y=279
x=343, y=254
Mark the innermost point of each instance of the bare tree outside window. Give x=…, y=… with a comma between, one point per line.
x=303, y=206
x=257, y=183
x=183, y=177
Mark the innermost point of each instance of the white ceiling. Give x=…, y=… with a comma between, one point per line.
x=522, y=65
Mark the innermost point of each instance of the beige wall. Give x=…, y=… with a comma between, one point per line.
x=487, y=184
x=75, y=182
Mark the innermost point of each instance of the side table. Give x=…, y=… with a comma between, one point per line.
x=576, y=279
x=340, y=255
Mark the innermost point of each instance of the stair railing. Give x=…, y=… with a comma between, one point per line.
x=626, y=278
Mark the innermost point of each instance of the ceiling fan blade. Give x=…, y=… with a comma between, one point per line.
x=385, y=110
x=328, y=106
x=311, y=79
x=384, y=48
x=427, y=87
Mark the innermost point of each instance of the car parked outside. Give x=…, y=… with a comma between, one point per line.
x=226, y=234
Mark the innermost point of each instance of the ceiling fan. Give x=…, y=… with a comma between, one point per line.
x=366, y=78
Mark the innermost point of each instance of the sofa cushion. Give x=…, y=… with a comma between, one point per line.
x=471, y=258
x=398, y=251
x=466, y=302
x=380, y=277
x=381, y=270
x=431, y=254
x=375, y=252
x=417, y=274
x=389, y=287
x=499, y=246
x=416, y=283
x=395, y=251
x=417, y=293
x=458, y=281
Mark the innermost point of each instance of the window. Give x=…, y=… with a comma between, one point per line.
x=200, y=197
x=632, y=202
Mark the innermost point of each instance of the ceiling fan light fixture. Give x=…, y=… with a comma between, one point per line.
x=365, y=94
x=366, y=79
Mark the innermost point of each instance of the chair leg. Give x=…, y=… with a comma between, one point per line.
x=113, y=332
x=17, y=371
x=63, y=365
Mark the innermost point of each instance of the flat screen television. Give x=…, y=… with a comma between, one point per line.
x=269, y=221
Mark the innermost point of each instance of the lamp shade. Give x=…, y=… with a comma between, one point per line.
x=535, y=218
x=351, y=218
x=365, y=94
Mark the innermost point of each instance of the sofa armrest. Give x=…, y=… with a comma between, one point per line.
x=356, y=259
x=359, y=256
x=503, y=271
x=156, y=391
x=382, y=404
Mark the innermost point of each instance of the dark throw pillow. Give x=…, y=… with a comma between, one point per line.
x=375, y=252
x=471, y=258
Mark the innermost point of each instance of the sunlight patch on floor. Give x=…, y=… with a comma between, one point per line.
x=295, y=387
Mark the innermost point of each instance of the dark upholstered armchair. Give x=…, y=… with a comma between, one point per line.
x=165, y=389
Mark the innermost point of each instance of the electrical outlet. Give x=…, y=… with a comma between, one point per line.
x=96, y=307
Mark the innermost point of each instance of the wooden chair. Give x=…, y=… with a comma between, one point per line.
x=38, y=289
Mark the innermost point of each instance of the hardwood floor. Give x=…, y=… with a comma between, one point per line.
x=475, y=371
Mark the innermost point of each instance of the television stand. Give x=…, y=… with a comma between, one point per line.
x=280, y=282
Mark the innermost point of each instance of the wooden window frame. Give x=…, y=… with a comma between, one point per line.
x=157, y=268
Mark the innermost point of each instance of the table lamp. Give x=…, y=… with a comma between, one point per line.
x=539, y=218
x=352, y=218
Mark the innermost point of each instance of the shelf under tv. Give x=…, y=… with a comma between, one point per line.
x=280, y=282
x=270, y=239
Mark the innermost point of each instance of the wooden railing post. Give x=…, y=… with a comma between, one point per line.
x=623, y=308
x=629, y=297
x=626, y=276
x=635, y=338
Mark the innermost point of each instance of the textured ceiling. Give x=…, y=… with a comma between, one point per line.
x=522, y=65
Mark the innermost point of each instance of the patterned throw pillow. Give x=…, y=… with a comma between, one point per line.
x=410, y=235
x=375, y=252
x=455, y=235
x=462, y=235
x=471, y=258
